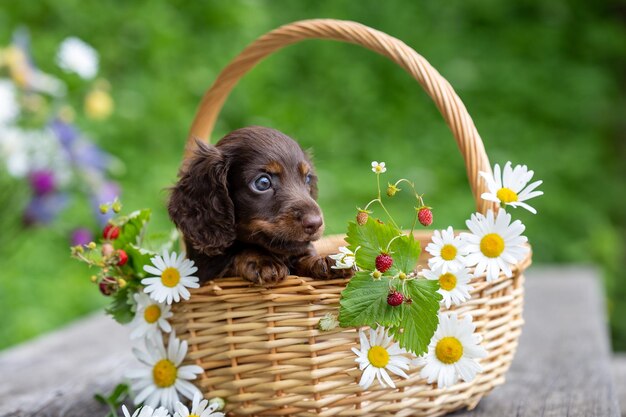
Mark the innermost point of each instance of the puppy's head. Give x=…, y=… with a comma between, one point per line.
x=255, y=185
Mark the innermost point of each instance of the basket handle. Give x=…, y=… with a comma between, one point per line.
x=447, y=101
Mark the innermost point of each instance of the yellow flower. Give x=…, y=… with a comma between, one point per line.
x=98, y=105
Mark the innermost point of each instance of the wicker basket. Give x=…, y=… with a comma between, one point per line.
x=260, y=348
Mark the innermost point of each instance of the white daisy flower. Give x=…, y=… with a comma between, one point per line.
x=74, y=55
x=378, y=355
x=494, y=244
x=198, y=408
x=511, y=188
x=378, y=168
x=162, y=378
x=447, y=251
x=453, y=285
x=344, y=259
x=149, y=317
x=9, y=108
x=146, y=411
x=173, y=277
x=452, y=352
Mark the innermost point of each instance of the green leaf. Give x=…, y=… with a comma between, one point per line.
x=137, y=259
x=419, y=321
x=372, y=238
x=121, y=305
x=115, y=399
x=131, y=228
x=405, y=253
x=364, y=302
x=158, y=242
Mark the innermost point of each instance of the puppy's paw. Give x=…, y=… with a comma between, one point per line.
x=264, y=271
x=321, y=267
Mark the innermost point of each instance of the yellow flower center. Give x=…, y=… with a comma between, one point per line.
x=378, y=356
x=170, y=277
x=164, y=373
x=492, y=245
x=448, y=252
x=378, y=168
x=449, y=350
x=152, y=313
x=506, y=195
x=193, y=415
x=447, y=281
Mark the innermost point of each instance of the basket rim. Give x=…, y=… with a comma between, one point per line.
x=239, y=289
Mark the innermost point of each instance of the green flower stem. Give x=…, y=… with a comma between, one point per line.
x=389, y=244
x=380, y=201
x=414, y=223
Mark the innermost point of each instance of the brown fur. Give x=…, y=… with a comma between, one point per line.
x=232, y=228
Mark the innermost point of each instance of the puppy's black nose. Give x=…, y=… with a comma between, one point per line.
x=311, y=223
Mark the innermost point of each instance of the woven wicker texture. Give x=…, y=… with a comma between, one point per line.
x=260, y=347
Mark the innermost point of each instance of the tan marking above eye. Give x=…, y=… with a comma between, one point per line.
x=274, y=168
x=304, y=168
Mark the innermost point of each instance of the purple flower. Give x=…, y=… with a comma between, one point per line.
x=42, y=182
x=81, y=236
x=66, y=133
x=43, y=209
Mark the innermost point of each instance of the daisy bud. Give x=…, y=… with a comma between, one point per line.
x=218, y=403
x=91, y=245
x=392, y=190
x=328, y=322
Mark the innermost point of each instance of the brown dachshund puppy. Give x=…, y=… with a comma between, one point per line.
x=246, y=207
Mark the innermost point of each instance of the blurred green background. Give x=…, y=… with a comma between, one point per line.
x=543, y=81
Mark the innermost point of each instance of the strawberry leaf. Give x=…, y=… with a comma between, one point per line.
x=138, y=258
x=121, y=305
x=131, y=228
x=372, y=238
x=419, y=321
x=364, y=302
x=405, y=252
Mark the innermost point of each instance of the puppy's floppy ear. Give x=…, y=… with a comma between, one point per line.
x=199, y=204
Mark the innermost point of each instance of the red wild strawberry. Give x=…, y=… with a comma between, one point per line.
x=121, y=253
x=395, y=298
x=361, y=218
x=111, y=232
x=425, y=216
x=105, y=289
x=383, y=262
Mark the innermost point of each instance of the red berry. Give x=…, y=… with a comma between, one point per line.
x=425, y=216
x=361, y=218
x=111, y=232
x=395, y=298
x=121, y=253
x=105, y=289
x=383, y=262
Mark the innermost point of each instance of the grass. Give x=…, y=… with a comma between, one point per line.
x=543, y=82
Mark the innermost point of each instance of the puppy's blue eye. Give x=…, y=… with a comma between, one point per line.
x=307, y=180
x=263, y=183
